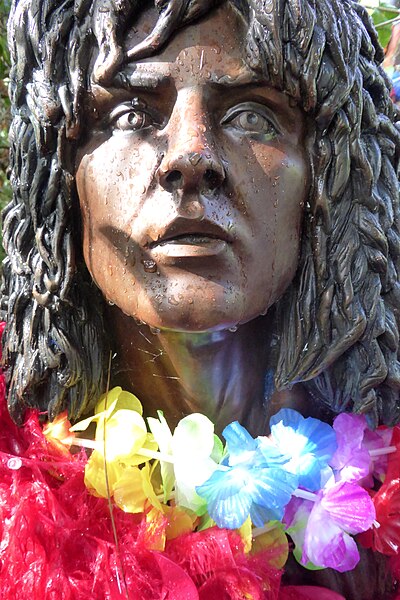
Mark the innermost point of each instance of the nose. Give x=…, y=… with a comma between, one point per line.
x=192, y=171
x=190, y=164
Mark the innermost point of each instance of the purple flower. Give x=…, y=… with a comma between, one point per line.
x=320, y=529
x=352, y=460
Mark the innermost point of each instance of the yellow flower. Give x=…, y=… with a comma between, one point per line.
x=121, y=435
x=180, y=521
x=154, y=538
x=95, y=475
x=134, y=490
x=121, y=430
x=273, y=543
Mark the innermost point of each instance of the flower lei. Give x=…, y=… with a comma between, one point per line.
x=318, y=484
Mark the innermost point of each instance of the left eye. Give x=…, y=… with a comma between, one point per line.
x=133, y=120
x=251, y=121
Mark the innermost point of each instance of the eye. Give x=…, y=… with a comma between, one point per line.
x=133, y=116
x=133, y=120
x=252, y=120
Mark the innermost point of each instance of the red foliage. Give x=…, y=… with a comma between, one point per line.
x=385, y=537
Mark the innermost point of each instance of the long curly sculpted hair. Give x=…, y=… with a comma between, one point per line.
x=338, y=321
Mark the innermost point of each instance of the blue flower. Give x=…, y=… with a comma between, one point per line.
x=309, y=444
x=234, y=493
x=241, y=448
x=250, y=482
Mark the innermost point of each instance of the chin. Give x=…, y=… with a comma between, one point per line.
x=187, y=318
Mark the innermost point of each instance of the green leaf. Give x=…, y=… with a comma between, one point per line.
x=385, y=31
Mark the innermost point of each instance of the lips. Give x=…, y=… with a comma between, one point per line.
x=183, y=231
x=188, y=238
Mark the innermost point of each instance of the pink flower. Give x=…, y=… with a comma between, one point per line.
x=352, y=460
x=320, y=529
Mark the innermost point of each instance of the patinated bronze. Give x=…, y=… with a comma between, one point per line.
x=209, y=191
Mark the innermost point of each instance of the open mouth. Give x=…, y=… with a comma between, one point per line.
x=189, y=239
x=187, y=246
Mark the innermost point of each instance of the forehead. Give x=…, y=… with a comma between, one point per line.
x=214, y=47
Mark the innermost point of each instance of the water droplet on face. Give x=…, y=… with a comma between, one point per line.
x=110, y=303
x=172, y=300
x=194, y=158
x=233, y=329
x=154, y=330
x=149, y=265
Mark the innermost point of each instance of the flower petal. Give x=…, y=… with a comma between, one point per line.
x=95, y=478
x=272, y=489
x=227, y=496
x=326, y=545
x=349, y=506
x=351, y=458
x=241, y=446
x=133, y=491
x=308, y=442
x=163, y=436
x=125, y=433
x=193, y=436
x=122, y=399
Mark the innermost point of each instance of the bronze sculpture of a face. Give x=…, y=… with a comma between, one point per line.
x=206, y=172
x=203, y=142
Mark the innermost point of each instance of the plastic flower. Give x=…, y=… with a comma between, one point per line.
x=242, y=447
x=197, y=452
x=121, y=430
x=133, y=490
x=351, y=461
x=194, y=453
x=322, y=527
x=247, y=485
x=121, y=436
x=307, y=442
x=163, y=436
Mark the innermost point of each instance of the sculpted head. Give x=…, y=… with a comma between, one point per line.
x=198, y=164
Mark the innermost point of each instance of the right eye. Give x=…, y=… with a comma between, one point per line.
x=133, y=120
x=133, y=116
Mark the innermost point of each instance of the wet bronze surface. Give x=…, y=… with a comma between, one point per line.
x=206, y=168
x=209, y=191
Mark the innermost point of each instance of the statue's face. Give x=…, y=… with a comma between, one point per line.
x=193, y=182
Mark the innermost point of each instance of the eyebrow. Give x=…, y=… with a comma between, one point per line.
x=139, y=79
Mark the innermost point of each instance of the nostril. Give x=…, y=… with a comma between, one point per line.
x=212, y=179
x=174, y=177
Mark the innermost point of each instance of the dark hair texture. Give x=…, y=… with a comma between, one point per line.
x=337, y=322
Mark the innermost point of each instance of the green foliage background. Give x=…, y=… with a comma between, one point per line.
x=383, y=12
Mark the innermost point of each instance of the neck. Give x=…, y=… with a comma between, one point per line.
x=220, y=374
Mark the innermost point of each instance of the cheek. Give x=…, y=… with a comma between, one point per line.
x=283, y=178
x=112, y=182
